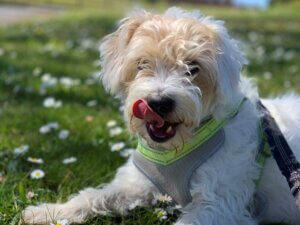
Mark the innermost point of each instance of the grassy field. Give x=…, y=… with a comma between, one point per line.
x=59, y=59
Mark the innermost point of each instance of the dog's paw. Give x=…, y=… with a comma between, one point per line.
x=42, y=214
x=47, y=213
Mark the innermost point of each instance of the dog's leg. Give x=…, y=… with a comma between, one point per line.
x=77, y=209
x=128, y=189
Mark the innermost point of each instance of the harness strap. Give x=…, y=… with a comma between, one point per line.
x=281, y=151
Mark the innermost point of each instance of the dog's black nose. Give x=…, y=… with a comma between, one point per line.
x=162, y=105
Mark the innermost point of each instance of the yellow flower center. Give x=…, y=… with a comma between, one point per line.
x=160, y=214
x=38, y=174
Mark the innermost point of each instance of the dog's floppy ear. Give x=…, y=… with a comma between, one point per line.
x=230, y=61
x=113, y=50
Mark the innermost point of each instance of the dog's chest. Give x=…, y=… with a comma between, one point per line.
x=173, y=179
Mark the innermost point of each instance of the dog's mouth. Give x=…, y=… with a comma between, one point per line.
x=161, y=134
x=159, y=130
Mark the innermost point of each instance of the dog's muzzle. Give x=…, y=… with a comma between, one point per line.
x=153, y=111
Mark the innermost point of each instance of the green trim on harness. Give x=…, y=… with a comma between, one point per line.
x=206, y=131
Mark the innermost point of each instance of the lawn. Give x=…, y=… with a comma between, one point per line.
x=59, y=59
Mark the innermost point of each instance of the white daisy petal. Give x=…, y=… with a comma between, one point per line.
x=164, y=198
x=48, y=80
x=61, y=222
x=44, y=129
x=35, y=160
x=127, y=152
x=69, y=160
x=115, y=131
x=160, y=213
x=37, y=174
x=58, y=104
x=117, y=146
x=21, y=150
x=48, y=127
x=63, y=134
x=51, y=102
x=111, y=123
x=91, y=103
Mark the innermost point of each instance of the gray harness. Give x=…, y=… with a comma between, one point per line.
x=174, y=179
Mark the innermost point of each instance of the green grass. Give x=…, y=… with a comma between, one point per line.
x=67, y=46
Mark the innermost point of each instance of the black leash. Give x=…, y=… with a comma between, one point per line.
x=281, y=151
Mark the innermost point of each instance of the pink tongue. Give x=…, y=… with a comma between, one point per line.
x=142, y=110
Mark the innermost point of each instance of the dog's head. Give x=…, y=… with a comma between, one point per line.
x=171, y=70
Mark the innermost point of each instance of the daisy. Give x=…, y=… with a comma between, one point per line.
x=161, y=213
x=69, y=82
x=35, y=160
x=111, y=123
x=164, y=198
x=66, y=81
x=48, y=80
x=117, y=146
x=127, y=152
x=69, y=160
x=91, y=103
x=48, y=127
x=21, y=150
x=51, y=102
x=63, y=134
x=115, y=131
x=44, y=129
x=37, y=174
x=61, y=222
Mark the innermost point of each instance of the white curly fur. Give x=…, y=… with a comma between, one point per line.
x=223, y=186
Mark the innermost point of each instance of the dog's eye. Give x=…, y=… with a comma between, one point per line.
x=193, y=71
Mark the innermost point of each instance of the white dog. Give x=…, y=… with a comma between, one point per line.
x=187, y=68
